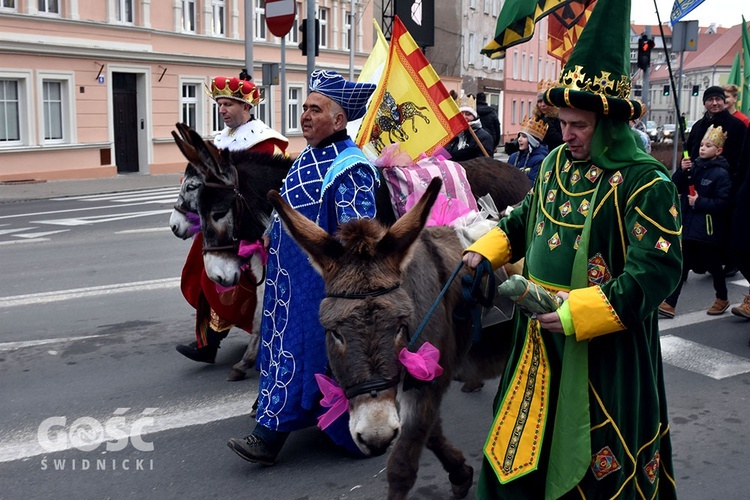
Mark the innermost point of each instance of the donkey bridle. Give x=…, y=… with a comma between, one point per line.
x=371, y=387
x=239, y=203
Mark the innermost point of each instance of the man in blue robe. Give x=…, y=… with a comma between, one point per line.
x=330, y=182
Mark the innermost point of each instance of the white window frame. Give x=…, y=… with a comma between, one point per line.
x=323, y=20
x=294, y=108
x=188, y=20
x=198, y=101
x=521, y=114
x=119, y=9
x=67, y=106
x=259, y=28
x=45, y=11
x=4, y=7
x=531, y=68
x=25, y=108
x=347, y=31
x=495, y=7
x=216, y=121
x=485, y=59
x=515, y=65
x=473, y=4
x=472, y=49
x=540, y=69
x=487, y=6
x=263, y=110
x=219, y=18
x=293, y=35
x=513, y=113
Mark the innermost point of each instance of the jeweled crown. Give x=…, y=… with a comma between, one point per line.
x=234, y=88
x=716, y=136
x=602, y=84
x=543, y=85
x=536, y=128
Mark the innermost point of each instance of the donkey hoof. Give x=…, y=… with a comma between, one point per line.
x=461, y=481
x=236, y=375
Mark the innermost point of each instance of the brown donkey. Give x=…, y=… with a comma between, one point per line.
x=380, y=283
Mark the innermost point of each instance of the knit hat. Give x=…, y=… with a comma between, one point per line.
x=233, y=88
x=468, y=104
x=597, y=75
x=714, y=91
x=351, y=96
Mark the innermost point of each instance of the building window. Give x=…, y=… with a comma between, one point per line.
x=495, y=7
x=52, y=103
x=323, y=18
x=523, y=114
x=531, y=68
x=293, y=35
x=472, y=49
x=48, y=6
x=124, y=11
x=10, y=112
x=540, y=70
x=485, y=59
x=515, y=65
x=293, y=108
x=259, y=30
x=487, y=6
x=262, y=111
x=523, y=66
x=217, y=122
x=513, y=113
x=189, y=105
x=188, y=16
x=347, y=32
x=218, y=9
x=7, y=4
x=473, y=4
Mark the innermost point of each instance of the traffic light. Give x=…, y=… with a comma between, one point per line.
x=303, y=32
x=696, y=90
x=645, y=44
x=666, y=90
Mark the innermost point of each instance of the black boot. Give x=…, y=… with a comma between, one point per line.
x=205, y=354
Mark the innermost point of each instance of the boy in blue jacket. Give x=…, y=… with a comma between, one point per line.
x=531, y=151
x=705, y=188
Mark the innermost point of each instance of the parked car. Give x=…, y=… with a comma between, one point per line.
x=668, y=131
x=653, y=131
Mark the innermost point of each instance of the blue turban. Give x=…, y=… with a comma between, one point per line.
x=349, y=95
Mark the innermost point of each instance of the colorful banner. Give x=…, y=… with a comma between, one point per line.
x=565, y=25
x=735, y=74
x=516, y=21
x=681, y=8
x=411, y=106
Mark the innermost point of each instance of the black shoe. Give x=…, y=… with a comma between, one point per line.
x=205, y=354
x=730, y=272
x=253, y=449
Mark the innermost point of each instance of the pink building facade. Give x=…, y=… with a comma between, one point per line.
x=525, y=66
x=93, y=88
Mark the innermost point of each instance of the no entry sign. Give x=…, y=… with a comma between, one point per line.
x=280, y=16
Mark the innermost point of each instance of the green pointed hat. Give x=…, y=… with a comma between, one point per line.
x=597, y=75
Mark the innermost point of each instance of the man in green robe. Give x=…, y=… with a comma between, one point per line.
x=581, y=410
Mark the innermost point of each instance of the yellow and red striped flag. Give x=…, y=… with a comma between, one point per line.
x=411, y=105
x=565, y=25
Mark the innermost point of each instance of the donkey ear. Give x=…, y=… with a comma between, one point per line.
x=323, y=249
x=404, y=232
x=185, y=147
x=209, y=159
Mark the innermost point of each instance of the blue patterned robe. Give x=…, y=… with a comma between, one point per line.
x=292, y=348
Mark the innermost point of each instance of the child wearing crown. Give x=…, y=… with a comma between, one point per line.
x=705, y=186
x=531, y=152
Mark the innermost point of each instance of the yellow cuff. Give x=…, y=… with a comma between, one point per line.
x=494, y=246
x=592, y=314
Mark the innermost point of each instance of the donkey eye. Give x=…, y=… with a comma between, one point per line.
x=336, y=336
x=217, y=216
x=403, y=331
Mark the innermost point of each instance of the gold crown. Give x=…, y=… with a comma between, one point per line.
x=234, y=88
x=716, y=136
x=543, y=85
x=536, y=128
x=467, y=102
x=602, y=84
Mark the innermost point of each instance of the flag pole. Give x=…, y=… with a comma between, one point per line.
x=479, y=143
x=678, y=116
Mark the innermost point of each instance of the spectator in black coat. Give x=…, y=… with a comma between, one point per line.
x=489, y=119
x=548, y=114
x=464, y=146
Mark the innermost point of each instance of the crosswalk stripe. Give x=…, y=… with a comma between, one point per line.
x=702, y=359
x=122, y=194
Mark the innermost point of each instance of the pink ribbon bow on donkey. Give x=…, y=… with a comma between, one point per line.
x=247, y=249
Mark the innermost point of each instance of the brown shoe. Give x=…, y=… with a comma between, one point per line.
x=719, y=307
x=743, y=310
x=666, y=311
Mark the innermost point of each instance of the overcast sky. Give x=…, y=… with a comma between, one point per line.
x=722, y=12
